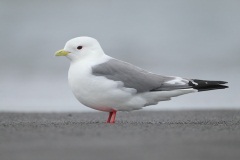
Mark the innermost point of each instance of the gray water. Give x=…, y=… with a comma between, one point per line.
x=192, y=39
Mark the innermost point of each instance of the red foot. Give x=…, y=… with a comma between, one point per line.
x=111, y=117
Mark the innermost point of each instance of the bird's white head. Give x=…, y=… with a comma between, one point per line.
x=81, y=48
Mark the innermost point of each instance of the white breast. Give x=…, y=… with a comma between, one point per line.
x=95, y=91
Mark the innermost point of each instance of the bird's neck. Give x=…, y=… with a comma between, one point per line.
x=91, y=60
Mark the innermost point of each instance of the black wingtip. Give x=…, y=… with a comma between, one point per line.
x=205, y=85
x=212, y=88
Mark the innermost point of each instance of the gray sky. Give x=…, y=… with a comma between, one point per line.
x=188, y=38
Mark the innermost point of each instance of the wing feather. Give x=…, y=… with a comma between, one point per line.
x=137, y=78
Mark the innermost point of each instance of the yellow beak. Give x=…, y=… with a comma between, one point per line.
x=61, y=53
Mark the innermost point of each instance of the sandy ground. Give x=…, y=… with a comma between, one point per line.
x=165, y=135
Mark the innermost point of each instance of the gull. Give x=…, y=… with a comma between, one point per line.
x=107, y=84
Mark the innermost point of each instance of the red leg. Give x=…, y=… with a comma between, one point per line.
x=113, y=117
x=109, y=117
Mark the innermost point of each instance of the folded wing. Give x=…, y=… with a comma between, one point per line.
x=137, y=78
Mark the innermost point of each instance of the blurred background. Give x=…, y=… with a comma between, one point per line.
x=187, y=38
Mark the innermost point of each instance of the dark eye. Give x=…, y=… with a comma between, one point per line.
x=79, y=47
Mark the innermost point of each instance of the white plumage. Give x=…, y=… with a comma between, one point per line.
x=106, y=84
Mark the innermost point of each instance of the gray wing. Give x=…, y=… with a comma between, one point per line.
x=134, y=77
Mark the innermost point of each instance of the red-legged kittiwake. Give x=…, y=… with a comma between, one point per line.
x=108, y=84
